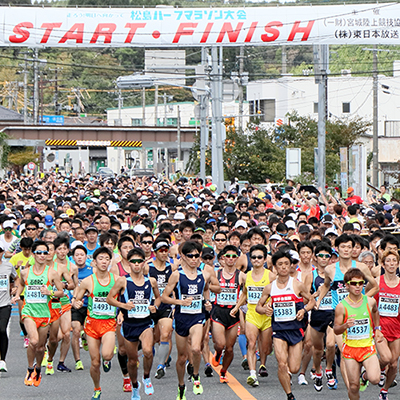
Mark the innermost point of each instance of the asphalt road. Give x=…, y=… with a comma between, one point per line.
x=78, y=385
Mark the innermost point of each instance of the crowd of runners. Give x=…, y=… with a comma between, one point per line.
x=116, y=265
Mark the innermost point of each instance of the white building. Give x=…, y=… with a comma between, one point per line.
x=348, y=96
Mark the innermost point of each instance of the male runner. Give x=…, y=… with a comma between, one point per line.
x=257, y=326
x=224, y=326
x=191, y=286
x=136, y=292
x=356, y=318
x=100, y=322
x=287, y=310
x=38, y=280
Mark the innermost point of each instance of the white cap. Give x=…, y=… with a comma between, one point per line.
x=290, y=224
x=180, y=199
x=206, y=203
x=140, y=229
x=113, y=207
x=82, y=205
x=294, y=255
x=76, y=243
x=124, y=226
x=331, y=231
x=8, y=224
x=143, y=211
x=241, y=223
x=275, y=237
x=161, y=217
x=179, y=216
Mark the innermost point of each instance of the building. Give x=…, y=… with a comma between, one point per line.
x=348, y=96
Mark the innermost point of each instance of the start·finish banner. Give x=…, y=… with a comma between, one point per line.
x=170, y=27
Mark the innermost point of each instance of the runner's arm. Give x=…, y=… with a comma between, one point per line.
x=156, y=292
x=324, y=289
x=375, y=319
x=79, y=293
x=339, y=325
x=119, y=287
x=262, y=306
x=242, y=301
x=368, y=276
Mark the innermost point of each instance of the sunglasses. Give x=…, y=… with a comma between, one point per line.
x=219, y=240
x=207, y=258
x=230, y=255
x=193, y=255
x=41, y=252
x=8, y=229
x=31, y=229
x=356, y=283
x=136, y=260
x=321, y=255
x=147, y=242
x=163, y=251
x=256, y=257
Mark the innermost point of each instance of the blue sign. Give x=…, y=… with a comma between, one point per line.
x=53, y=119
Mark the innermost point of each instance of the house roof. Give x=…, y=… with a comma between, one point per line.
x=10, y=115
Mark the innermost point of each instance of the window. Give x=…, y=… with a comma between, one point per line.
x=170, y=121
x=137, y=121
x=315, y=108
x=263, y=109
x=345, y=108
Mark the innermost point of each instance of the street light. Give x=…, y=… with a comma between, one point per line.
x=135, y=81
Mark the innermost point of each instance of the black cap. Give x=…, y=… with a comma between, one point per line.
x=207, y=251
x=91, y=228
x=304, y=229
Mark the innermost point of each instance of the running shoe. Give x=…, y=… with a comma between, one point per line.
x=394, y=383
x=168, y=363
x=301, y=380
x=318, y=385
x=208, y=371
x=290, y=376
x=197, y=387
x=363, y=381
x=96, y=395
x=183, y=396
x=136, y=393
x=382, y=381
x=262, y=371
x=127, y=385
x=49, y=368
x=258, y=355
x=223, y=379
x=148, y=386
x=106, y=365
x=115, y=350
x=252, y=381
x=21, y=334
x=331, y=382
x=214, y=360
x=61, y=367
x=189, y=370
x=160, y=372
x=38, y=378
x=26, y=342
x=30, y=376
x=79, y=366
x=290, y=396
x=3, y=366
x=245, y=364
x=44, y=360
x=383, y=395
x=312, y=374
x=84, y=341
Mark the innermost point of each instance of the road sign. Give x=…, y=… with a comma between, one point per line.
x=31, y=166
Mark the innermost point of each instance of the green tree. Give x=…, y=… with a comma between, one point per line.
x=18, y=157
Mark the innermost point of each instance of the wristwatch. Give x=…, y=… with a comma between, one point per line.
x=379, y=328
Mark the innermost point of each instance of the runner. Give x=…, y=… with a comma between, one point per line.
x=257, y=326
x=100, y=322
x=388, y=300
x=224, y=326
x=136, y=292
x=38, y=280
x=161, y=269
x=287, y=310
x=321, y=321
x=78, y=316
x=8, y=282
x=192, y=287
x=357, y=318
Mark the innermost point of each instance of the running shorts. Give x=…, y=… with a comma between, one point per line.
x=97, y=328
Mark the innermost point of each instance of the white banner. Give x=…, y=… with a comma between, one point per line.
x=171, y=27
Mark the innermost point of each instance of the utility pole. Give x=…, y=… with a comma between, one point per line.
x=56, y=108
x=217, y=125
x=25, y=90
x=155, y=105
x=165, y=108
x=35, y=87
x=284, y=60
x=321, y=62
x=203, y=114
x=120, y=105
x=241, y=70
x=178, y=134
x=375, y=149
x=143, y=106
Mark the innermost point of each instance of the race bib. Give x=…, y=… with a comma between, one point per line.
x=254, y=294
x=195, y=307
x=212, y=296
x=227, y=297
x=4, y=283
x=284, y=311
x=101, y=307
x=161, y=288
x=360, y=330
x=326, y=302
x=33, y=294
x=141, y=309
x=342, y=294
x=388, y=307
